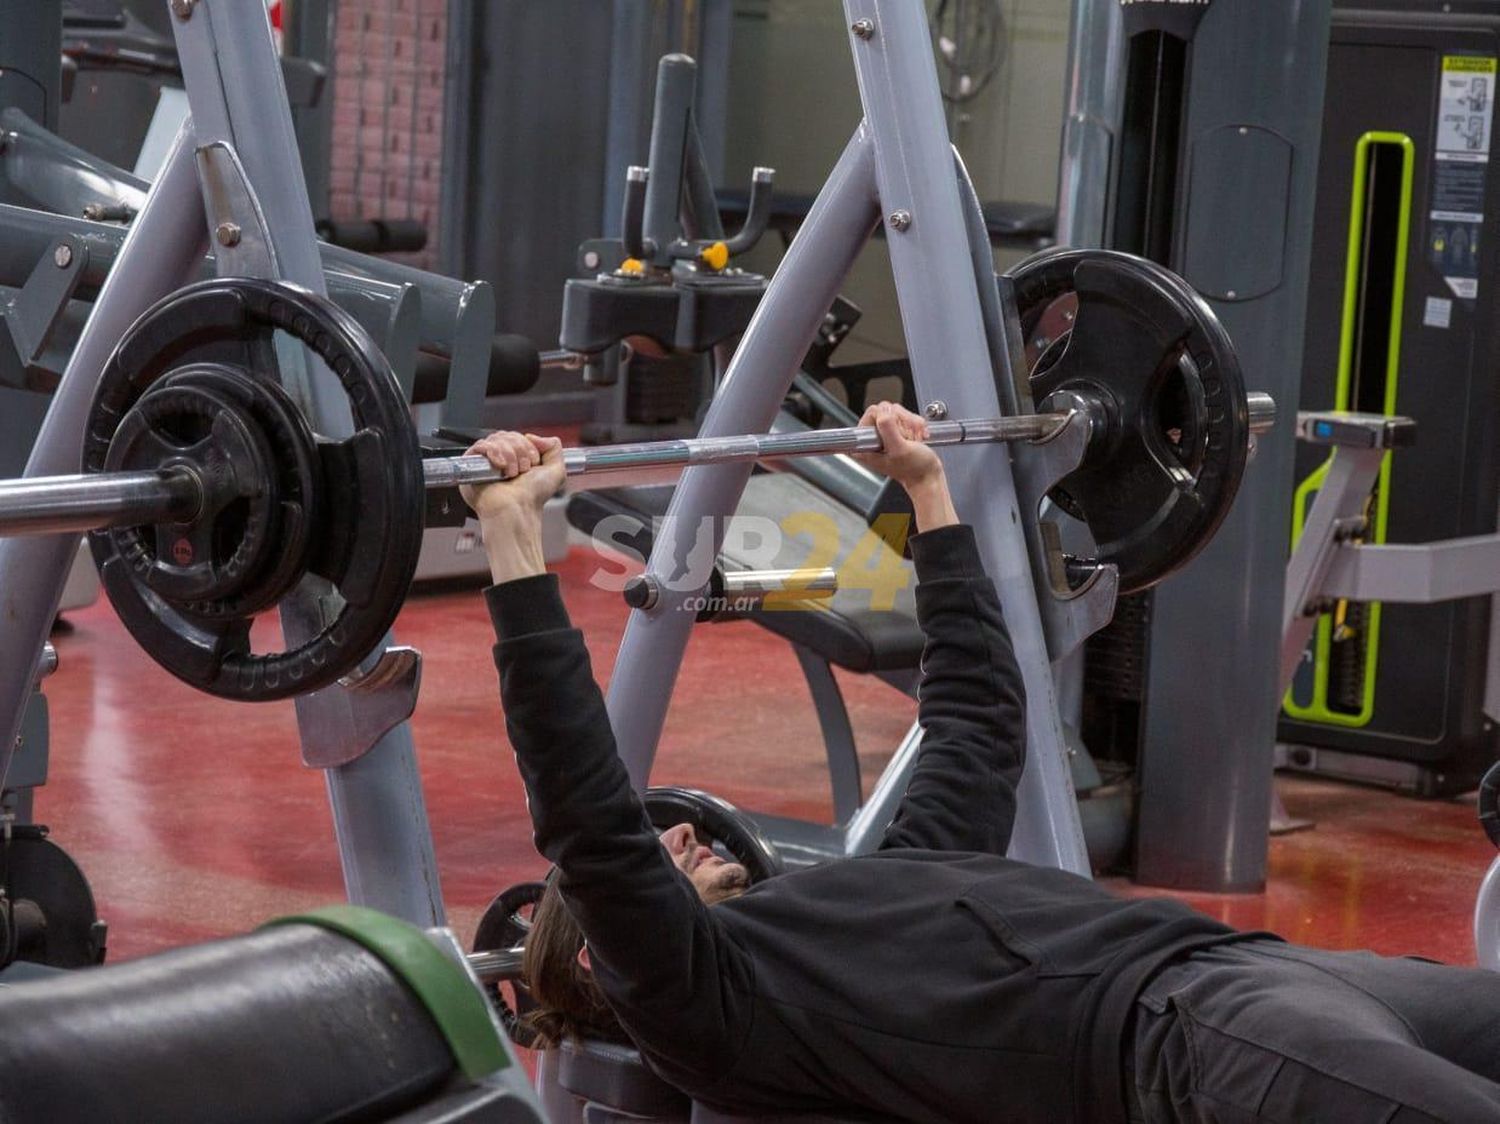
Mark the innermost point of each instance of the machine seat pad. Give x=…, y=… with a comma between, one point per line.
x=844, y=630
x=288, y=1023
x=613, y=1075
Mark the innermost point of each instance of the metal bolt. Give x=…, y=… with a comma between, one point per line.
x=591, y=260
x=183, y=9
x=863, y=29
x=899, y=220
x=228, y=234
x=62, y=256
x=936, y=410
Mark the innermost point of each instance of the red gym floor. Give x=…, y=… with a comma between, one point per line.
x=195, y=818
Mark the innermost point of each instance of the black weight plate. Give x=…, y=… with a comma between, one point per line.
x=234, y=321
x=504, y=925
x=232, y=536
x=294, y=461
x=1156, y=487
x=717, y=821
x=38, y=871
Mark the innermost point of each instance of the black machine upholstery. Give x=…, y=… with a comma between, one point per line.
x=617, y=1086
x=845, y=630
x=607, y=1073
x=286, y=1024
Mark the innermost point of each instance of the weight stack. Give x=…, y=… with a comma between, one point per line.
x=1401, y=320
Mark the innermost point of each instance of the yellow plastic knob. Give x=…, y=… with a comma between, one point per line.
x=716, y=257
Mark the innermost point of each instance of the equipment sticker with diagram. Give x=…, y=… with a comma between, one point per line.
x=1466, y=115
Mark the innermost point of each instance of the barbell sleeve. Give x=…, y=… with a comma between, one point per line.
x=46, y=505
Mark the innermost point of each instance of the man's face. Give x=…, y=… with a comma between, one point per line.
x=713, y=877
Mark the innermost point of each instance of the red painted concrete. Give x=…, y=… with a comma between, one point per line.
x=195, y=818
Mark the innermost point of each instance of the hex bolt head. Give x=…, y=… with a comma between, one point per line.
x=183, y=9
x=863, y=29
x=936, y=410
x=62, y=256
x=899, y=220
x=228, y=234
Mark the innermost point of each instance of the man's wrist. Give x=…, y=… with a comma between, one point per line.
x=932, y=504
x=513, y=543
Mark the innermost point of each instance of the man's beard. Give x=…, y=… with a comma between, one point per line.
x=730, y=881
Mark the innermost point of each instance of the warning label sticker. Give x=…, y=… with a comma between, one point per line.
x=1466, y=117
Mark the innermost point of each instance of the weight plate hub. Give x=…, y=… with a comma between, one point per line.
x=1148, y=356
x=295, y=482
x=228, y=541
x=281, y=505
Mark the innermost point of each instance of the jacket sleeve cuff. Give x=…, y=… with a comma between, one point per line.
x=947, y=552
x=527, y=606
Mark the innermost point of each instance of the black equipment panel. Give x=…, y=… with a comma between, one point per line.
x=1391, y=72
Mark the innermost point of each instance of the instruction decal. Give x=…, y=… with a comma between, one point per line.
x=1466, y=117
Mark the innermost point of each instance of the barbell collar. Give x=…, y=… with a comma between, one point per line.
x=1262, y=410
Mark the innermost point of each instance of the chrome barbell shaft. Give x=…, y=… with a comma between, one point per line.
x=449, y=472
x=74, y=504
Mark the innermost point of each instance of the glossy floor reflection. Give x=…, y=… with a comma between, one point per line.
x=195, y=818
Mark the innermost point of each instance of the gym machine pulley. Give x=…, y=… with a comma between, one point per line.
x=207, y=498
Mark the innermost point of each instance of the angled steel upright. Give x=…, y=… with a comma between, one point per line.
x=898, y=168
x=236, y=162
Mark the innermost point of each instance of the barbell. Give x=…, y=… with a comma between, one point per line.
x=207, y=497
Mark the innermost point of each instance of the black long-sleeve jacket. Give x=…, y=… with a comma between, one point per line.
x=934, y=980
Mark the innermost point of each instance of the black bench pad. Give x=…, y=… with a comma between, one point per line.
x=613, y=1077
x=285, y=1024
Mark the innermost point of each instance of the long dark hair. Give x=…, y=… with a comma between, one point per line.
x=569, y=1003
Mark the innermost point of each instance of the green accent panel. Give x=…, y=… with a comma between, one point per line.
x=456, y=1005
x=1317, y=709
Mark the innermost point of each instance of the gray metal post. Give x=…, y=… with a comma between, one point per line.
x=163, y=249
x=950, y=359
x=1096, y=78
x=1250, y=148
x=379, y=815
x=671, y=121
x=1340, y=503
x=899, y=161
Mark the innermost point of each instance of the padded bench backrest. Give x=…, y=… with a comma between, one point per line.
x=289, y=1023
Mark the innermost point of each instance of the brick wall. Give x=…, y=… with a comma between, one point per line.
x=387, y=152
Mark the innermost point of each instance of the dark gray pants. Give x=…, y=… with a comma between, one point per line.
x=1266, y=1031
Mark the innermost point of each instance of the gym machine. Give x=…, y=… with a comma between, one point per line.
x=1189, y=140
x=238, y=319
x=234, y=179
x=1336, y=563
x=1399, y=323
x=207, y=399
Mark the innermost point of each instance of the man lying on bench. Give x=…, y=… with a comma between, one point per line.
x=934, y=980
